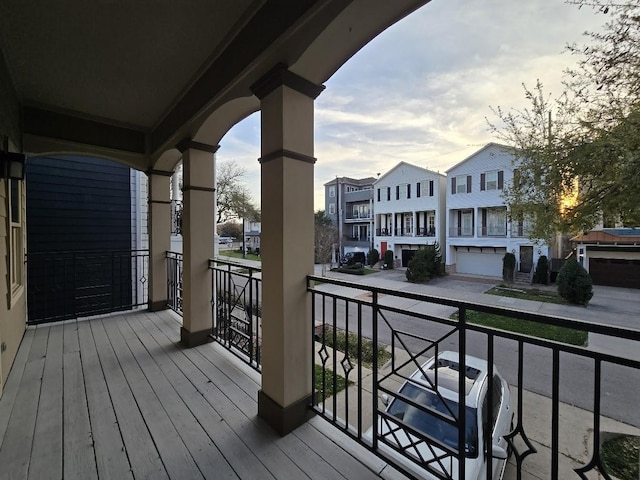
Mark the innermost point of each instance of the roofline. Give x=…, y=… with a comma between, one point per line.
x=488, y=145
x=409, y=165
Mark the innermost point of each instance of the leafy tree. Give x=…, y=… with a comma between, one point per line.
x=388, y=259
x=425, y=264
x=576, y=154
x=326, y=237
x=233, y=197
x=508, y=267
x=542, y=271
x=373, y=257
x=230, y=229
x=574, y=283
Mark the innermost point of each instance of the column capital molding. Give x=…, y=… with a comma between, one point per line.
x=161, y=173
x=189, y=144
x=288, y=154
x=281, y=75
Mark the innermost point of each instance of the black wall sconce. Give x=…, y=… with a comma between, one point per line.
x=12, y=165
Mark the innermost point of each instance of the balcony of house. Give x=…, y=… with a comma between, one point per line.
x=426, y=232
x=361, y=195
x=116, y=396
x=357, y=213
x=520, y=229
x=384, y=232
x=493, y=222
x=461, y=231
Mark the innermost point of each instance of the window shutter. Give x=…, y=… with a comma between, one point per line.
x=418, y=190
x=500, y=179
x=483, y=181
x=431, y=188
x=397, y=192
x=484, y=218
x=468, y=183
x=453, y=186
x=378, y=194
x=408, y=190
x=388, y=193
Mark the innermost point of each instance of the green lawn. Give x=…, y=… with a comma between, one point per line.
x=620, y=456
x=366, y=349
x=322, y=394
x=528, y=294
x=539, y=330
x=237, y=254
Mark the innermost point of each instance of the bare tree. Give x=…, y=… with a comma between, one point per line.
x=233, y=198
x=326, y=235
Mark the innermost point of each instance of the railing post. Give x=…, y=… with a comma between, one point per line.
x=462, y=407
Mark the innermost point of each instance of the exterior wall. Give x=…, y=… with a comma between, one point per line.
x=347, y=193
x=490, y=158
x=391, y=214
x=12, y=307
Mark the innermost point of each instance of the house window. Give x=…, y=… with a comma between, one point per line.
x=408, y=224
x=16, y=244
x=361, y=211
x=402, y=191
x=431, y=225
x=461, y=184
x=332, y=209
x=351, y=189
x=496, y=222
x=332, y=191
x=466, y=223
x=492, y=180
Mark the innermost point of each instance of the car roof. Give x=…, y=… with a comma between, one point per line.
x=443, y=373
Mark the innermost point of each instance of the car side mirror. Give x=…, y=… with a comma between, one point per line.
x=498, y=452
x=385, y=399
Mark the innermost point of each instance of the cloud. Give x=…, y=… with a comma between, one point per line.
x=421, y=91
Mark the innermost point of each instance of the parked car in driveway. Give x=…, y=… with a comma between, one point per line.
x=351, y=258
x=418, y=429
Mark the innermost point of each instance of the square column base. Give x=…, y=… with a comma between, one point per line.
x=193, y=339
x=157, y=306
x=284, y=420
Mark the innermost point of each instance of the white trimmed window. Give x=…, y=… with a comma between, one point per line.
x=461, y=184
x=492, y=180
x=332, y=209
x=16, y=240
x=332, y=191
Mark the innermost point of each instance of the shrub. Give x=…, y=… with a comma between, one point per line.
x=508, y=267
x=373, y=257
x=425, y=264
x=574, y=283
x=388, y=259
x=542, y=271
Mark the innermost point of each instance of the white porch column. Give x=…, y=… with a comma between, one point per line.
x=159, y=237
x=287, y=246
x=198, y=186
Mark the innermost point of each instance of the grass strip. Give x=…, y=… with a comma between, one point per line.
x=526, y=327
x=621, y=457
x=326, y=374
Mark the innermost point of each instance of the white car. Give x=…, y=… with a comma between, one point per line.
x=420, y=434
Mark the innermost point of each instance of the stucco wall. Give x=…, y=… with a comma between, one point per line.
x=12, y=320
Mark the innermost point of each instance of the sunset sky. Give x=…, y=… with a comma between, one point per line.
x=421, y=91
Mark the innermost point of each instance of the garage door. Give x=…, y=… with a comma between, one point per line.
x=615, y=272
x=479, y=263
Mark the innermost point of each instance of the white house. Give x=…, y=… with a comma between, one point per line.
x=409, y=207
x=479, y=232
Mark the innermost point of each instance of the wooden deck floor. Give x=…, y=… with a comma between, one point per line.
x=116, y=398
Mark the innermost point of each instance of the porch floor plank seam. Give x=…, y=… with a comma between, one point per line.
x=117, y=397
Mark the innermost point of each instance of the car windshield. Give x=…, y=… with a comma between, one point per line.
x=432, y=425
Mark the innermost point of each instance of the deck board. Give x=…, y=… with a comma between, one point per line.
x=118, y=397
x=47, y=442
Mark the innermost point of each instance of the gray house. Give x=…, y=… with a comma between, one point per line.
x=349, y=205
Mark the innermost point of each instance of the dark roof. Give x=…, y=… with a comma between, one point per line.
x=610, y=235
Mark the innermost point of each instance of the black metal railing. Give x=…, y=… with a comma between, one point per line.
x=427, y=232
x=72, y=284
x=177, y=208
x=236, y=293
x=377, y=319
x=174, y=282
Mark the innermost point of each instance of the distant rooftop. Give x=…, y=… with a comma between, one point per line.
x=352, y=181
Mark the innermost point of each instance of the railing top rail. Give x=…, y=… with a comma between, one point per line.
x=573, y=323
x=214, y=262
x=88, y=251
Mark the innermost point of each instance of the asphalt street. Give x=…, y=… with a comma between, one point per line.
x=614, y=306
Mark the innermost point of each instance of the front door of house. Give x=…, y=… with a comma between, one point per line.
x=526, y=259
x=383, y=248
